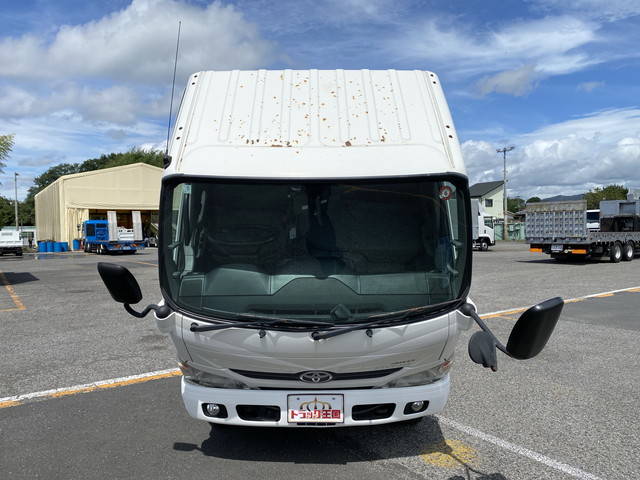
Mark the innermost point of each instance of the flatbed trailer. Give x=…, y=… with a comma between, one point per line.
x=560, y=229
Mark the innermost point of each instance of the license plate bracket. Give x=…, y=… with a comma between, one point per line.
x=315, y=408
x=557, y=248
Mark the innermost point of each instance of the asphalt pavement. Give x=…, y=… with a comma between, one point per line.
x=571, y=412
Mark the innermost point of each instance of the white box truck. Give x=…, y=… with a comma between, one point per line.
x=11, y=242
x=482, y=232
x=315, y=250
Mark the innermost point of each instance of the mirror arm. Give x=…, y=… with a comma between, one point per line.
x=162, y=311
x=470, y=311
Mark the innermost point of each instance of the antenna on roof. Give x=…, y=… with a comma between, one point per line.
x=167, y=158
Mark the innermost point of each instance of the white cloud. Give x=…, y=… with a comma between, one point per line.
x=567, y=157
x=589, y=86
x=137, y=44
x=511, y=58
x=610, y=10
x=116, y=104
x=516, y=82
x=547, y=43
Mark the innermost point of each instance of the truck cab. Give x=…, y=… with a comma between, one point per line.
x=315, y=250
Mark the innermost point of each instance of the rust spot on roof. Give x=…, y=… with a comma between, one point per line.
x=347, y=143
x=275, y=145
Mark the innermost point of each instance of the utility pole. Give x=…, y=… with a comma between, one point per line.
x=504, y=151
x=15, y=180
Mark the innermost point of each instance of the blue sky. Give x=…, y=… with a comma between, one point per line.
x=557, y=79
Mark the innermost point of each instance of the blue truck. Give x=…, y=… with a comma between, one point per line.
x=98, y=238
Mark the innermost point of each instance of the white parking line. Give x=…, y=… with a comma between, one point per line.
x=538, y=457
x=568, y=300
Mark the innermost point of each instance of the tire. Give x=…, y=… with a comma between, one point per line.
x=628, y=252
x=18, y=254
x=615, y=253
x=484, y=246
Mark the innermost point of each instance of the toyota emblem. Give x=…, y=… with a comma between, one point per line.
x=316, y=377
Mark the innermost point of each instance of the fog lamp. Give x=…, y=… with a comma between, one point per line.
x=415, y=407
x=213, y=409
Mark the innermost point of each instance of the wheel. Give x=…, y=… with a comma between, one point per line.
x=615, y=253
x=18, y=254
x=628, y=252
x=484, y=246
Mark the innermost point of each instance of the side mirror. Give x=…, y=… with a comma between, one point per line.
x=124, y=288
x=121, y=284
x=527, y=339
x=533, y=329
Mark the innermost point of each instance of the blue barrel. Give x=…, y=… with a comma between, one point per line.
x=76, y=244
x=65, y=246
x=42, y=246
x=50, y=246
x=57, y=246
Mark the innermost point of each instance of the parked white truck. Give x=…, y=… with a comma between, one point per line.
x=481, y=227
x=315, y=250
x=11, y=242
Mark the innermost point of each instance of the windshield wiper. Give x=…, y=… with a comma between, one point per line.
x=259, y=321
x=383, y=320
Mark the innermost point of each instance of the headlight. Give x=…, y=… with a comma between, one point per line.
x=421, y=378
x=207, y=379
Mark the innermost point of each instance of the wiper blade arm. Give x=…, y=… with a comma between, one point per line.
x=258, y=321
x=383, y=320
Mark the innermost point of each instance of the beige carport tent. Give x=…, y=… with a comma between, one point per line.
x=64, y=204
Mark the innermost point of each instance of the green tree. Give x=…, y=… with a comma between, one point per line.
x=515, y=204
x=610, y=192
x=6, y=145
x=6, y=212
x=534, y=200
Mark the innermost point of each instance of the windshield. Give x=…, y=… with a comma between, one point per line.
x=339, y=251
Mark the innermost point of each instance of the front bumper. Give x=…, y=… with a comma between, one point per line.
x=195, y=395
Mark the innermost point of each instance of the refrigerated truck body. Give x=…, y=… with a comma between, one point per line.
x=315, y=250
x=561, y=230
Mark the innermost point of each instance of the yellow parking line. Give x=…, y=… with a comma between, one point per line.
x=14, y=296
x=569, y=300
x=504, y=314
x=90, y=387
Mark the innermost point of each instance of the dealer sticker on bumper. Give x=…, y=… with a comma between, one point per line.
x=323, y=408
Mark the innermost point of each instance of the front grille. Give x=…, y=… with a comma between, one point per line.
x=293, y=377
x=314, y=389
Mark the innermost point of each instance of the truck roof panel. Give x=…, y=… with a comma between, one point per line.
x=275, y=123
